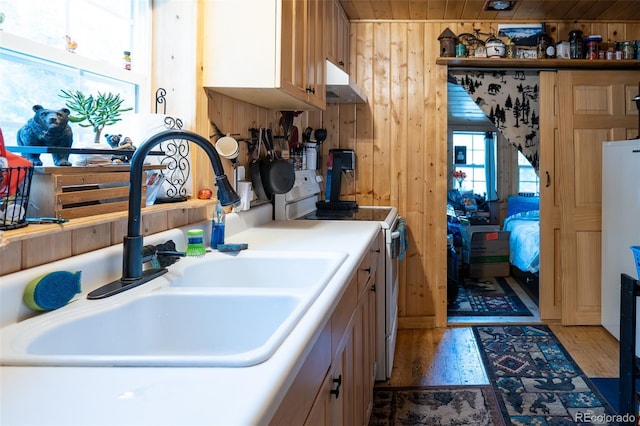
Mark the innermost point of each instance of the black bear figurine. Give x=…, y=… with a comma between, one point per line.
x=47, y=128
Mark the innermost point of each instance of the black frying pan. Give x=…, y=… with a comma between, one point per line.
x=278, y=176
x=256, y=176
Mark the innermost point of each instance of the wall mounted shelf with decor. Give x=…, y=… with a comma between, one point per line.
x=549, y=64
x=73, y=192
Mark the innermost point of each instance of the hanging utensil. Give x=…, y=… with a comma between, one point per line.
x=254, y=168
x=278, y=175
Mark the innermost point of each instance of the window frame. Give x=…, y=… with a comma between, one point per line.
x=479, y=130
x=20, y=49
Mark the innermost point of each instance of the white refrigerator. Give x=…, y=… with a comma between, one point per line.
x=620, y=225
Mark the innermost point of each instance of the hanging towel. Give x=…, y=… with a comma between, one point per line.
x=404, y=242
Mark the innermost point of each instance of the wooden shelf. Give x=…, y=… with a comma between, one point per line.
x=504, y=63
x=39, y=230
x=61, y=150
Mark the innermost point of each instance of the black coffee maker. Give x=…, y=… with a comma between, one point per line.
x=342, y=160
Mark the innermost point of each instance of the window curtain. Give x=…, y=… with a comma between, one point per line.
x=510, y=100
x=490, y=165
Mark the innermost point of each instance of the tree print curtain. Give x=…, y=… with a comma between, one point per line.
x=510, y=100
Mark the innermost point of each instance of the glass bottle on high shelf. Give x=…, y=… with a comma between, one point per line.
x=545, y=48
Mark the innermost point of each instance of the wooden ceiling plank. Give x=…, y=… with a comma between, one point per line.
x=578, y=10
x=554, y=9
x=454, y=9
x=596, y=10
x=400, y=9
x=382, y=9
x=364, y=9
x=529, y=10
x=418, y=9
x=473, y=10
x=349, y=9
x=436, y=9
x=618, y=10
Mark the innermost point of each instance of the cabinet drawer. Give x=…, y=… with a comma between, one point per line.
x=368, y=265
x=302, y=393
x=342, y=314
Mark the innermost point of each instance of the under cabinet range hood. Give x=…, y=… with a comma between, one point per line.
x=341, y=89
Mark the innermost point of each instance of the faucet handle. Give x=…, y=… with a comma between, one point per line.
x=162, y=255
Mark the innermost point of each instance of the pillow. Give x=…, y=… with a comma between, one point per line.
x=518, y=204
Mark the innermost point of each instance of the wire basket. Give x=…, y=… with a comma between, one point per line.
x=15, y=184
x=636, y=258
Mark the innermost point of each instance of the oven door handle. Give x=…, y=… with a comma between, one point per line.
x=394, y=245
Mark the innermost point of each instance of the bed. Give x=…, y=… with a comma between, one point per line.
x=523, y=221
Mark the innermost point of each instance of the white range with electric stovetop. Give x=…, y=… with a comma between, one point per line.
x=300, y=204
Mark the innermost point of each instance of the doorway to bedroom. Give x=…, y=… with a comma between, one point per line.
x=493, y=229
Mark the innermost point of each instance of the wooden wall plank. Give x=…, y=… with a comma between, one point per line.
x=91, y=238
x=398, y=112
x=363, y=58
x=412, y=204
x=381, y=121
x=58, y=247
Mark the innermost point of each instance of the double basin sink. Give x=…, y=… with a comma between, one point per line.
x=219, y=310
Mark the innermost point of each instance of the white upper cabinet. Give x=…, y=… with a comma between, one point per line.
x=265, y=52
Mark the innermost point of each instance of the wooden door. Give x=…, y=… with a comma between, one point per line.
x=594, y=106
x=550, y=295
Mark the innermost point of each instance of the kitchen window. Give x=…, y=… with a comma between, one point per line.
x=37, y=59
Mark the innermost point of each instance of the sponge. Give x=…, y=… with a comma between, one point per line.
x=52, y=291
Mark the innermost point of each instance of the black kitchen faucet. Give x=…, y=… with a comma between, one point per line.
x=132, y=258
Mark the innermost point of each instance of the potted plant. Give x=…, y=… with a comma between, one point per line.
x=98, y=111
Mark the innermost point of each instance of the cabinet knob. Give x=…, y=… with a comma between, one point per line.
x=311, y=90
x=338, y=382
x=341, y=63
x=367, y=269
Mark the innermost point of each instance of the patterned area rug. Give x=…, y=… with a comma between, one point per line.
x=442, y=405
x=490, y=297
x=535, y=379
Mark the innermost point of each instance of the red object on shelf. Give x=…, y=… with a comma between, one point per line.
x=9, y=182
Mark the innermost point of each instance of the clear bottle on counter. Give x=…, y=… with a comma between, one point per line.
x=217, y=227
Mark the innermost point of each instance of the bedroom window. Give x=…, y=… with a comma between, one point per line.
x=37, y=60
x=481, y=160
x=528, y=180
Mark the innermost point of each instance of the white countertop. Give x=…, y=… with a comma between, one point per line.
x=190, y=396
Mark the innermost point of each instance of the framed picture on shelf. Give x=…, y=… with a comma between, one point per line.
x=521, y=34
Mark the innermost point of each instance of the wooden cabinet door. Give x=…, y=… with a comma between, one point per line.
x=337, y=34
x=302, y=57
x=315, y=66
x=342, y=38
x=294, y=48
x=594, y=106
